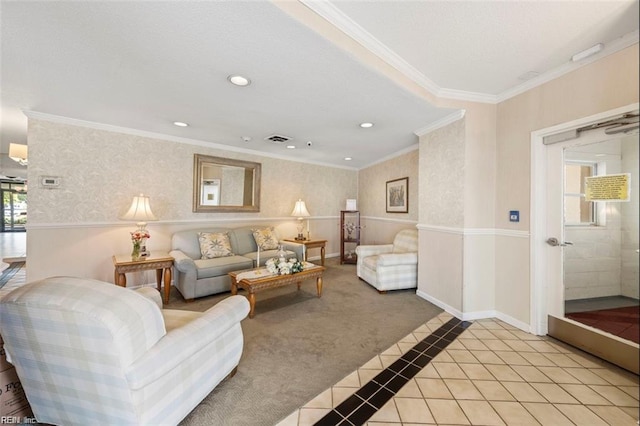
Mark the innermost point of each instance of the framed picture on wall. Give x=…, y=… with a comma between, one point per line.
x=398, y=195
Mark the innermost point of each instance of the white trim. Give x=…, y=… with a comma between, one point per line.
x=475, y=231
x=345, y=24
x=451, y=118
x=341, y=21
x=472, y=316
x=447, y=308
x=143, y=133
x=153, y=224
x=387, y=219
x=569, y=66
x=538, y=206
x=393, y=155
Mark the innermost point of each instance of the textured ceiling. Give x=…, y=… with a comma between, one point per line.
x=143, y=65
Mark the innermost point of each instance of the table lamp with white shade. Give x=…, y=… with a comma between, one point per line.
x=300, y=211
x=140, y=211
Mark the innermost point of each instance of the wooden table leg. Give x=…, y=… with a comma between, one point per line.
x=234, y=287
x=159, y=279
x=121, y=279
x=322, y=255
x=319, y=286
x=167, y=284
x=252, y=304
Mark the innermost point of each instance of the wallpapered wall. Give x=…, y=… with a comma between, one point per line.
x=101, y=171
x=442, y=160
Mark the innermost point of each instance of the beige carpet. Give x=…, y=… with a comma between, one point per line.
x=298, y=345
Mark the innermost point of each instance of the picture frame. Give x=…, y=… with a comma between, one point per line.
x=397, y=192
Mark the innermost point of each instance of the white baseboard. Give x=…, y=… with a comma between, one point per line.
x=476, y=315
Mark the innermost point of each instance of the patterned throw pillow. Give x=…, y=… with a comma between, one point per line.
x=214, y=245
x=265, y=238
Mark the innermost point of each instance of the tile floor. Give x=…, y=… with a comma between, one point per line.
x=491, y=374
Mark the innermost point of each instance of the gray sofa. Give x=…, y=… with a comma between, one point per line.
x=196, y=277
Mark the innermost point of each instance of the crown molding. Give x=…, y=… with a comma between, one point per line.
x=391, y=156
x=609, y=49
x=336, y=17
x=35, y=115
x=451, y=118
x=345, y=24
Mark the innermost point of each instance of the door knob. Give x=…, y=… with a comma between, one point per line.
x=553, y=242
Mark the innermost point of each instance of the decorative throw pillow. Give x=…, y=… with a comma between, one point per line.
x=265, y=238
x=214, y=245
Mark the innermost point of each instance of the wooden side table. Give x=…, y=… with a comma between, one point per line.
x=160, y=261
x=309, y=244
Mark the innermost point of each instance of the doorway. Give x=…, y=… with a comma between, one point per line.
x=14, y=206
x=584, y=253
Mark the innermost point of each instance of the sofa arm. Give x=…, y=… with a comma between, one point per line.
x=372, y=250
x=183, y=262
x=180, y=343
x=396, y=259
x=297, y=248
x=151, y=294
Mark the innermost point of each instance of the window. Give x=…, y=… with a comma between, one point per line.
x=578, y=211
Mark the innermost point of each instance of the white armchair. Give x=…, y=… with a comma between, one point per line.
x=390, y=266
x=90, y=352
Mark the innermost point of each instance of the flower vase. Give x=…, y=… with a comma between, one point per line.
x=135, y=253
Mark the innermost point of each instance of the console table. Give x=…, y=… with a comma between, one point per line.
x=159, y=261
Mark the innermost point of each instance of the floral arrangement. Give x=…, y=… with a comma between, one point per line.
x=350, y=227
x=139, y=235
x=282, y=266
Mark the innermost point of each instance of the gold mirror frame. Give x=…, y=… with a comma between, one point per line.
x=218, y=179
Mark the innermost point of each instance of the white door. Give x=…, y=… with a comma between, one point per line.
x=549, y=242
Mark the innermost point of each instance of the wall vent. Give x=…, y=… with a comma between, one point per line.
x=277, y=138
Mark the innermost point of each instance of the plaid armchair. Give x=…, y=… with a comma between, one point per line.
x=90, y=352
x=390, y=266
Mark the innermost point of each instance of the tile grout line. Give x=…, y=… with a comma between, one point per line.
x=371, y=397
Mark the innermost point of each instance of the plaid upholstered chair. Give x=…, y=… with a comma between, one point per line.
x=390, y=266
x=89, y=352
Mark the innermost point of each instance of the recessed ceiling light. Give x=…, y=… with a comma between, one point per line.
x=180, y=124
x=246, y=138
x=348, y=158
x=291, y=147
x=366, y=125
x=239, y=80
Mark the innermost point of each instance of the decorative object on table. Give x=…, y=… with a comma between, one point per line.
x=398, y=195
x=140, y=211
x=300, y=211
x=138, y=238
x=349, y=235
x=282, y=266
x=351, y=204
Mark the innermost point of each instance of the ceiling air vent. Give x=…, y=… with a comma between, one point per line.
x=277, y=138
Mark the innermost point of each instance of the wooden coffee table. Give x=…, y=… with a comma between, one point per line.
x=254, y=281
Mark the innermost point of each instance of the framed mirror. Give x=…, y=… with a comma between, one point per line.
x=225, y=185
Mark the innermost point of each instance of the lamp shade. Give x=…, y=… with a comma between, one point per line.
x=140, y=210
x=300, y=209
x=18, y=152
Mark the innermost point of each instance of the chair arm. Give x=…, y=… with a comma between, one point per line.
x=372, y=250
x=183, y=262
x=180, y=343
x=151, y=294
x=395, y=259
x=297, y=248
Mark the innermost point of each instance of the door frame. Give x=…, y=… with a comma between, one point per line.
x=539, y=294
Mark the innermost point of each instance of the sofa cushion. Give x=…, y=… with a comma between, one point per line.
x=266, y=238
x=370, y=262
x=214, y=245
x=207, y=268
